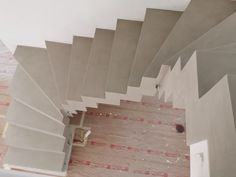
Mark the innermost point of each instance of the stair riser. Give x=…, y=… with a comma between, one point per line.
x=23, y=88
x=23, y=137
x=41, y=162
x=20, y=114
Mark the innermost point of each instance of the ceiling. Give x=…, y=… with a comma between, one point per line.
x=31, y=22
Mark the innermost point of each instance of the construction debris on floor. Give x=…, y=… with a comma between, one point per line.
x=132, y=140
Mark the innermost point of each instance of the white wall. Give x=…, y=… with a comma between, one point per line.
x=199, y=159
x=30, y=22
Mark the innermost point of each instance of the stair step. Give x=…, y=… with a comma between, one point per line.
x=198, y=18
x=122, y=55
x=25, y=90
x=78, y=63
x=222, y=34
x=94, y=85
x=28, y=138
x=59, y=56
x=22, y=115
x=209, y=72
x=156, y=27
x=31, y=59
x=33, y=159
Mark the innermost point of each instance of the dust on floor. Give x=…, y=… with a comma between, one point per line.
x=132, y=140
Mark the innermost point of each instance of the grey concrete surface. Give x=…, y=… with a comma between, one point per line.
x=222, y=34
x=20, y=114
x=17, y=136
x=59, y=56
x=24, y=89
x=31, y=59
x=197, y=19
x=212, y=66
x=122, y=55
x=34, y=159
x=213, y=114
x=225, y=48
x=156, y=27
x=78, y=63
x=95, y=80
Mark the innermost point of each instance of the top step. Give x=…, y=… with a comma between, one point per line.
x=59, y=55
x=156, y=27
x=79, y=62
x=122, y=55
x=96, y=74
x=198, y=18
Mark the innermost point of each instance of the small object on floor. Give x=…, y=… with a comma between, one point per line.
x=81, y=136
x=180, y=128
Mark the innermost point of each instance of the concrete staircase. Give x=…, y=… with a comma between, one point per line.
x=188, y=58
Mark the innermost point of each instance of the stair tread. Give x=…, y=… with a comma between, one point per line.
x=122, y=55
x=31, y=59
x=31, y=139
x=198, y=18
x=156, y=27
x=25, y=90
x=41, y=159
x=21, y=114
x=79, y=60
x=94, y=84
x=222, y=34
x=209, y=72
x=59, y=56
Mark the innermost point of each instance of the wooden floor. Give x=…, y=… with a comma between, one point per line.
x=134, y=139
x=7, y=68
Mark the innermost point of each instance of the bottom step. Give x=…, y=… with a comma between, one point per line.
x=35, y=161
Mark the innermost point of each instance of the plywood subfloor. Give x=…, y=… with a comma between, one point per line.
x=132, y=140
x=7, y=68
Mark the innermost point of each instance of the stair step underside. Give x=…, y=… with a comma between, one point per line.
x=25, y=90
x=226, y=48
x=20, y=114
x=198, y=18
x=31, y=59
x=208, y=71
x=221, y=35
